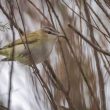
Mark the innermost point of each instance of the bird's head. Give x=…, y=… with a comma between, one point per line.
x=51, y=32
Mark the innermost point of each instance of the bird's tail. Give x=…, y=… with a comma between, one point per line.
x=5, y=51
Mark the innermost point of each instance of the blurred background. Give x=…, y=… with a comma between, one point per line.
x=76, y=75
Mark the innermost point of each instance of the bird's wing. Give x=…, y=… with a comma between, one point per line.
x=30, y=38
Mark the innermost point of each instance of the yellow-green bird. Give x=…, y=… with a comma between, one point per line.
x=40, y=44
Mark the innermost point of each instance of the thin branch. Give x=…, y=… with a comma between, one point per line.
x=60, y=85
x=102, y=8
x=100, y=74
x=36, y=71
x=12, y=56
x=90, y=43
x=38, y=10
x=77, y=62
x=84, y=18
x=99, y=19
x=9, y=18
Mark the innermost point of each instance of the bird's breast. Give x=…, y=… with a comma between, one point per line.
x=41, y=51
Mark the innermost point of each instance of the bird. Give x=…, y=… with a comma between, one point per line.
x=40, y=44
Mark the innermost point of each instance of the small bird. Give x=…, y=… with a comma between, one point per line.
x=40, y=44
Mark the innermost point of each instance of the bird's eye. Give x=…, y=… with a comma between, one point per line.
x=49, y=32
